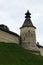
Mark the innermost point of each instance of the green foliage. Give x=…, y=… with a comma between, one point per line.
x=13, y=54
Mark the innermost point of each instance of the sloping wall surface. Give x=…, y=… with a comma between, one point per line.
x=9, y=37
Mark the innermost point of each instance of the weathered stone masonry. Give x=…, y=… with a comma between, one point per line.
x=27, y=38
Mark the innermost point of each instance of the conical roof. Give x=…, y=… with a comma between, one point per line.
x=28, y=22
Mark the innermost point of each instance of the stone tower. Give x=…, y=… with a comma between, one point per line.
x=27, y=33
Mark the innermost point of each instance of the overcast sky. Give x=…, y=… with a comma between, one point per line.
x=12, y=14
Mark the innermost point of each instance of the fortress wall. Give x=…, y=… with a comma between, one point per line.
x=41, y=51
x=7, y=37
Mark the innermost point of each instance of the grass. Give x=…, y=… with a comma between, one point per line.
x=13, y=54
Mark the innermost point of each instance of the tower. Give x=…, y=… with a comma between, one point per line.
x=28, y=35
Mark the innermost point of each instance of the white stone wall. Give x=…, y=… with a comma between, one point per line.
x=41, y=51
x=6, y=37
x=28, y=36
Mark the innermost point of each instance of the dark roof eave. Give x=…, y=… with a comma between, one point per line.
x=39, y=46
x=10, y=32
x=28, y=26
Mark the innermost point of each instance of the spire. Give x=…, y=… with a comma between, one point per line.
x=27, y=14
x=27, y=22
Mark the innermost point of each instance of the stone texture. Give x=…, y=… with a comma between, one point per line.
x=6, y=37
x=28, y=38
x=28, y=35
